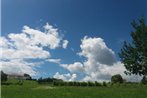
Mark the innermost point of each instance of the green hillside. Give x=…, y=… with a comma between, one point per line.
x=31, y=89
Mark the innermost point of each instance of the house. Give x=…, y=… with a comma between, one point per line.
x=19, y=76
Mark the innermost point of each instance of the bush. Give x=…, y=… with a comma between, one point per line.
x=3, y=76
x=70, y=83
x=55, y=83
x=117, y=79
x=97, y=84
x=144, y=80
x=84, y=84
x=49, y=81
x=28, y=77
x=104, y=84
x=91, y=83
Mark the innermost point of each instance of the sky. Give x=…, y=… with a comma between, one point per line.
x=67, y=39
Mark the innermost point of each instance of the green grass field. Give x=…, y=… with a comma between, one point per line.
x=30, y=89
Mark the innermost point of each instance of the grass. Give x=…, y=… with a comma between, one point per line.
x=30, y=89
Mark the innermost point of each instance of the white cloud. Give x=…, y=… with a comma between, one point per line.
x=100, y=63
x=65, y=43
x=96, y=49
x=18, y=50
x=54, y=60
x=65, y=77
x=76, y=67
x=18, y=66
x=104, y=72
x=73, y=77
x=49, y=38
x=100, y=60
x=4, y=42
x=29, y=52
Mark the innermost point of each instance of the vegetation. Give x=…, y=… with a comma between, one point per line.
x=144, y=80
x=31, y=89
x=27, y=75
x=134, y=55
x=117, y=79
x=59, y=82
x=48, y=80
x=104, y=84
x=3, y=76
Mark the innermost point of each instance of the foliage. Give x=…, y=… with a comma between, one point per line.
x=117, y=79
x=144, y=80
x=28, y=76
x=59, y=82
x=31, y=89
x=97, y=83
x=134, y=55
x=3, y=76
x=48, y=80
x=104, y=84
x=91, y=83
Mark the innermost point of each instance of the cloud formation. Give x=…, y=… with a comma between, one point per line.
x=96, y=49
x=100, y=63
x=75, y=67
x=65, y=77
x=54, y=60
x=65, y=43
x=19, y=49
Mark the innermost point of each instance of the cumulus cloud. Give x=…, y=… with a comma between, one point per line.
x=65, y=43
x=76, y=67
x=99, y=60
x=18, y=66
x=18, y=49
x=54, y=60
x=100, y=63
x=65, y=77
x=96, y=49
x=49, y=38
x=104, y=72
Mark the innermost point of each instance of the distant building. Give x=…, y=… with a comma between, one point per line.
x=19, y=76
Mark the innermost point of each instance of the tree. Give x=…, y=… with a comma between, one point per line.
x=97, y=84
x=117, y=79
x=104, y=83
x=3, y=76
x=28, y=77
x=134, y=54
x=144, y=80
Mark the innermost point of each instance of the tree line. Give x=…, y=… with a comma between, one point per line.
x=115, y=79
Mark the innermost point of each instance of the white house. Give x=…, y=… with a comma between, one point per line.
x=18, y=76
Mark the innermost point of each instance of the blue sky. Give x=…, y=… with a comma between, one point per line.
x=105, y=19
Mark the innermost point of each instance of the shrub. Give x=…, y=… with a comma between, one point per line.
x=84, y=84
x=55, y=83
x=104, y=84
x=71, y=83
x=117, y=79
x=3, y=76
x=144, y=80
x=97, y=84
x=91, y=83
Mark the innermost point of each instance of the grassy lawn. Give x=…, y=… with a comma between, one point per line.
x=30, y=89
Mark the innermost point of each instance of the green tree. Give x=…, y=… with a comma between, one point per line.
x=117, y=79
x=28, y=77
x=97, y=83
x=134, y=54
x=144, y=80
x=3, y=76
x=104, y=83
